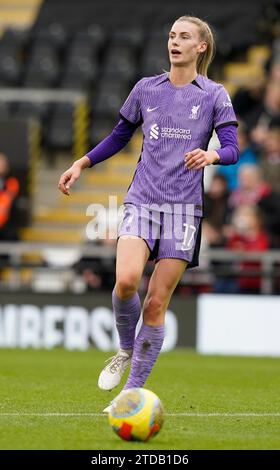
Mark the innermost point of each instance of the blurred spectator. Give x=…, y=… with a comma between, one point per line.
x=247, y=156
x=254, y=190
x=270, y=158
x=9, y=189
x=251, y=189
x=215, y=210
x=247, y=235
x=260, y=119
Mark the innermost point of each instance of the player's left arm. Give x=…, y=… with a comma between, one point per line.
x=198, y=158
x=225, y=124
x=228, y=154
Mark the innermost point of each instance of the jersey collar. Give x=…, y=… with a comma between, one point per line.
x=198, y=81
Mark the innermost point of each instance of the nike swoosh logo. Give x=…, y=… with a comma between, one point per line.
x=151, y=109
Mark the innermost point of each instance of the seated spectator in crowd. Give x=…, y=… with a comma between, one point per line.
x=247, y=234
x=247, y=156
x=270, y=156
x=253, y=189
x=215, y=210
x=9, y=189
x=260, y=119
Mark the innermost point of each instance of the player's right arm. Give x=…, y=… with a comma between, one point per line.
x=72, y=174
x=108, y=147
x=130, y=119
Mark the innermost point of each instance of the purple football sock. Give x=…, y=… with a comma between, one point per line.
x=127, y=314
x=146, y=350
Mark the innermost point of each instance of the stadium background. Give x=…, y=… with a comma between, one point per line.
x=66, y=67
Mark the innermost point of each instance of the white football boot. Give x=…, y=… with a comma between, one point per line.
x=111, y=375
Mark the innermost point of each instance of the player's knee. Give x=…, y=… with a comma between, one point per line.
x=153, y=308
x=126, y=286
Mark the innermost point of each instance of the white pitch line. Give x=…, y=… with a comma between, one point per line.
x=191, y=415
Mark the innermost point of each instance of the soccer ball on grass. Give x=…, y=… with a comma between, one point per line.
x=136, y=414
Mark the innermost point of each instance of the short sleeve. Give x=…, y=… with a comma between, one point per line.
x=223, y=110
x=131, y=109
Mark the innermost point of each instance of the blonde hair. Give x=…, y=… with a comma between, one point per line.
x=205, y=58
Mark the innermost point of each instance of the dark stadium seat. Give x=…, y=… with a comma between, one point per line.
x=153, y=64
x=120, y=63
x=10, y=68
x=58, y=133
x=129, y=37
x=79, y=73
x=53, y=34
x=80, y=68
x=14, y=39
x=110, y=96
x=41, y=48
x=92, y=36
x=155, y=56
x=12, y=44
x=42, y=69
x=100, y=128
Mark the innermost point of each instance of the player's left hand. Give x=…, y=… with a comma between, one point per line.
x=197, y=158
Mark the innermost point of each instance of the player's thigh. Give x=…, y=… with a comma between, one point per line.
x=165, y=278
x=132, y=256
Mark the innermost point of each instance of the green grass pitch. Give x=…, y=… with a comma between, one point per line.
x=50, y=400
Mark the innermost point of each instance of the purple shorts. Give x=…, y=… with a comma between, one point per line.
x=167, y=235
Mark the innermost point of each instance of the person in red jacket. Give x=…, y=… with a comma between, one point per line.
x=248, y=235
x=9, y=189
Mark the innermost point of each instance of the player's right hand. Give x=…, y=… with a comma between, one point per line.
x=68, y=178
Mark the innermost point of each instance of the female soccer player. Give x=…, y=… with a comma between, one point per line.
x=178, y=111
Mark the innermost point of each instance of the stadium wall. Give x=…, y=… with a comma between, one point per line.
x=211, y=324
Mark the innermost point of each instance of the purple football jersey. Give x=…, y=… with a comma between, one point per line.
x=175, y=120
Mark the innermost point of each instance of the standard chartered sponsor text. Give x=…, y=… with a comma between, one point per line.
x=175, y=133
